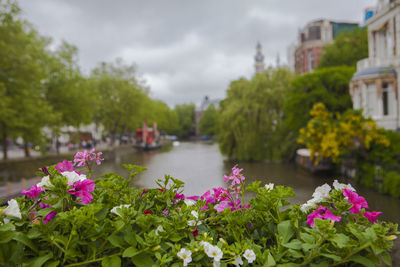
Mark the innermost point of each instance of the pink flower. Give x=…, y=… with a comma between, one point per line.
x=44, y=205
x=195, y=198
x=357, y=201
x=236, y=177
x=48, y=217
x=33, y=192
x=208, y=197
x=222, y=206
x=82, y=158
x=321, y=213
x=96, y=157
x=64, y=166
x=81, y=189
x=179, y=196
x=372, y=216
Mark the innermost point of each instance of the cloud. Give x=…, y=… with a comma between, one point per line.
x=184, y=49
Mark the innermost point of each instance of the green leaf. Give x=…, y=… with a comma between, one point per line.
x=7, y=227
x=6, y=237
x=101, y=215
x=289, y=265
x=362, y=260
x=143, y=260
x=294, y=244
x=52, y=264
x=39, y=261
x=270, y=260
x=20, y=237
x=331, y=256
x=386, y=258
x=116, y=241
x=130, y=252
x=285, y=230
x=341, y=240
x=114, y=261
x=307, y=238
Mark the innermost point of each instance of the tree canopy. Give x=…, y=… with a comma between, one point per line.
x=348, y=48
x=251, y=114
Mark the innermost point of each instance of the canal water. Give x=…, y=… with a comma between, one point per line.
x=201, y=166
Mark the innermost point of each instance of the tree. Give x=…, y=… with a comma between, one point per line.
x=251, y=115
x=208, y=124
x=23, y=60
x=348, y=48
x=329, y=86
x=121, y=98
x=185, y=114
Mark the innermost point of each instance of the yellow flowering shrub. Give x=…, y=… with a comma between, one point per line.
x=329, y=136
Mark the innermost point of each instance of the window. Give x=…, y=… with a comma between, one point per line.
x=314, y=33
x=310, y=61
x=385, y=102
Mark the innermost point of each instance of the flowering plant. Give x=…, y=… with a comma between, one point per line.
x=70, y=220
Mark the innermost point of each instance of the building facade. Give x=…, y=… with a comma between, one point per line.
x=374, y=87
x=312, y=40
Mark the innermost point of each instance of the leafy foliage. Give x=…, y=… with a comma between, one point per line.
x=209, y=123
x=330, y=136
x=251, y=115
x=348, y=48
x=124, y=225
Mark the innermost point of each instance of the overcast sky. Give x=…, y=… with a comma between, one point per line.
x=184, y=49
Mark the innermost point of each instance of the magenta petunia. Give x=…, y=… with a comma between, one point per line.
x=357, y=201
x=33, y=192
x=44, y=205
x=194, y=198
x=81, y=189
x=64, y=166
x=372, y=216
x=48, y=217
x=321, y=213
x=179, y=196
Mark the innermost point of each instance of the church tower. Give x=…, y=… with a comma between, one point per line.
x=259, y=59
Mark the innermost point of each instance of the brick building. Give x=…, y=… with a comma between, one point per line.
x=312, y=40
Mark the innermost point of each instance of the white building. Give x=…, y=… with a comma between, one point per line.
x=374, y=87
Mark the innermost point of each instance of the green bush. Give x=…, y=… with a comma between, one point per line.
x=70, y=220
x=391, y=183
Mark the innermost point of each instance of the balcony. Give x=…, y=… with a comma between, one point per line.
x=366, y=63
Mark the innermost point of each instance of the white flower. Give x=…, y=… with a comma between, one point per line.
x=159, y=229
x=216, y=263
x=206, y=246
x=305, y=207
x=269, y=186
x=249, y=255
x=185, y=255
x=45, y=181
x=213, y=252
x=339, y=186
x=195, y=214
x=74, y=177
x=321, y=192
x=193, y=223
x=238, y=261
x=189, y=202
x=12, y=209
x=115, y=209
